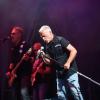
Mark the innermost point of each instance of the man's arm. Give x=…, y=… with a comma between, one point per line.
x=11, y=66
x=71, y=57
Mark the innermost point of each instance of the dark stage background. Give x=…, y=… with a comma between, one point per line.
x=76, y=20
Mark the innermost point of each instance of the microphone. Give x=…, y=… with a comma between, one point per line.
x=46, y=58
x=40, y=51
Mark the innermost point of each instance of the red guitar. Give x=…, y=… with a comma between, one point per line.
x=13, y=72
x=38, y=64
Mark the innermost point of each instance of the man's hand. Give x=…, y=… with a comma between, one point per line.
x=66, y=66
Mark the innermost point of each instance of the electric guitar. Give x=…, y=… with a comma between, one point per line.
x=13, y=72
x=39, y=65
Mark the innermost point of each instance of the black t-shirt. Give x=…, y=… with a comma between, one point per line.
x=57, y=50
x=25, y=67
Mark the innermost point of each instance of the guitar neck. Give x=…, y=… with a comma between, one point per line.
x=18, y=65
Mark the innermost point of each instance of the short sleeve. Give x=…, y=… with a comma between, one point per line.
x=64, y=42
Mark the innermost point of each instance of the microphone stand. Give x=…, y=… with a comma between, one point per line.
x=79, y=73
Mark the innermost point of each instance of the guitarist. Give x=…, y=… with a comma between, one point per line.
x=20, y=66
x=43, y=80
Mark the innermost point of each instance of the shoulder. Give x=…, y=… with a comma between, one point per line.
x=63, y=41
x=57, y=38
x=61, y=38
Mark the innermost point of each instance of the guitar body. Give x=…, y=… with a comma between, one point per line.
x=11, y=79
x=38, y=65
x=34, y=76
x=14, y=70
x=13, y=73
